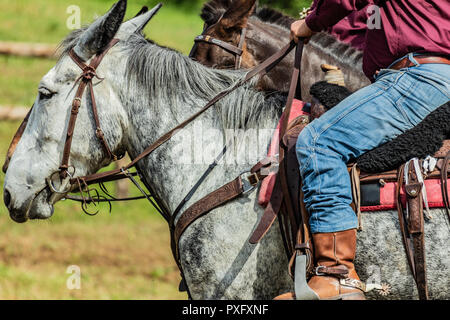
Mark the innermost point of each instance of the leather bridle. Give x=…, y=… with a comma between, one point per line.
x=85, y=81
x=237, y=51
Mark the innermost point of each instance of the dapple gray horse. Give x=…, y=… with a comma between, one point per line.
x=147, y=90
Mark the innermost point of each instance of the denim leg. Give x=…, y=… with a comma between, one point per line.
x=372, y=116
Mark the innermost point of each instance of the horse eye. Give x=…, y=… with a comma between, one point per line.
x=45, y=93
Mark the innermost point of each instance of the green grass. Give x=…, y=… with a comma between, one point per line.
x=45, y=21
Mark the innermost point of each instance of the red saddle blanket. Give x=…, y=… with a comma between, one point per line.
x=374, y=196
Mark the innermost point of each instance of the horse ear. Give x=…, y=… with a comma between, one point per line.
x=237, y=16
x=138, y=23
x=142, y=11
x=101, y=32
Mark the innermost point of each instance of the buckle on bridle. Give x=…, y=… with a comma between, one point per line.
x=89, y=73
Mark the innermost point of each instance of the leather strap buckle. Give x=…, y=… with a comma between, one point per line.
x=99, y=134
x=340, y=272
x=253, y=179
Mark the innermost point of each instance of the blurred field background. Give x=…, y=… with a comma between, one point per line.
x=122, y=255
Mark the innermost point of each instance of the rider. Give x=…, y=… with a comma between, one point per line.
x=407, y=57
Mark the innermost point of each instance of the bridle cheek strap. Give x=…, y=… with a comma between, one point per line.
x=85, y=79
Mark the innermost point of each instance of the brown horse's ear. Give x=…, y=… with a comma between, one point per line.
x=237, y=16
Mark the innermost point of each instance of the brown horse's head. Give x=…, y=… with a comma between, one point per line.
x=225, y=20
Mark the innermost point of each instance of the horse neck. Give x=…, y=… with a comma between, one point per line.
x=325, y=48
x=264, y=38
x=178, y=164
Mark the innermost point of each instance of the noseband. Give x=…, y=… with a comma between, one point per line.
x=85, y=79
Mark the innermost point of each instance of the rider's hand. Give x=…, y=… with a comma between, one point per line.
x=299, y=29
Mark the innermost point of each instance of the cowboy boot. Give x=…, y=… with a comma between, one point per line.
x=335, y=276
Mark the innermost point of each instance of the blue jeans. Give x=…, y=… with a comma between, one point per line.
x=372, y=116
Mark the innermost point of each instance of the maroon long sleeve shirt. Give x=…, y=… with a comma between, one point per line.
x=421, y=26
x=352, y=29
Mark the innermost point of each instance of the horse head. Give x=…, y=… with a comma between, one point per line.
x=29, y=189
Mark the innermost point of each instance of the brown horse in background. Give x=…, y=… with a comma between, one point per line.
x=267, y=32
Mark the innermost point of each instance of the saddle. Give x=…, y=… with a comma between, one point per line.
x=407, y=186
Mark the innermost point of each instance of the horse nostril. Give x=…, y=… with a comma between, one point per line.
x=7, y=198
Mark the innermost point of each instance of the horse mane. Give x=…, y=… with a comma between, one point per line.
x=158, y=74
x=340, y=51
x=161, y=73
x=213, y=10
x=273, y=16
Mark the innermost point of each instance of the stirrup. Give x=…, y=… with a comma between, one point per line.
x=302, y=290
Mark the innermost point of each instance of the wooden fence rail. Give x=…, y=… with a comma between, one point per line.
x=13, y=113
x=38, y=50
